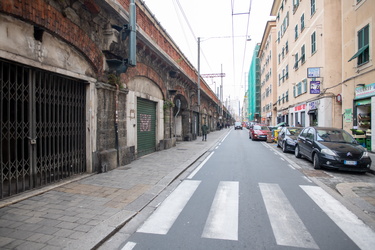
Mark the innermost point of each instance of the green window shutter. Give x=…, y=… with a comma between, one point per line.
x=359, y=52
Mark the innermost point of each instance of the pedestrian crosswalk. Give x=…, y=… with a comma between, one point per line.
x=287, y=226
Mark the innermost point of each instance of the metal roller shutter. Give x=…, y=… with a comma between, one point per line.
x=146, y=126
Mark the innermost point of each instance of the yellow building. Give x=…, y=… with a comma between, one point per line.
x=308, y=62
x=358, y=77
x=267, y=53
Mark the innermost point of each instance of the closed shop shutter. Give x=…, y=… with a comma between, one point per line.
x=146, y=126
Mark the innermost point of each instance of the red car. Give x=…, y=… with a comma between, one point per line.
x=259, y=132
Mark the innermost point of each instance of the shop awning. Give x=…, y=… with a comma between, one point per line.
x=363, y=102
x=312, y=111
x=360, y=51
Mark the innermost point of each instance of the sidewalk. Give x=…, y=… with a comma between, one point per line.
x=80, y=213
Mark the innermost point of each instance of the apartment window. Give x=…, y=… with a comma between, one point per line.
x=363, y=53
x=303, y=54
x=296, y=32
x=286, y=47
x=295, y=4
x=283, y=98
x=313, y=43
x=287, y=71
x=302, y=22
x=300, y=88
x=296, y=61
x=313, y=9
x=283, y=75
x=287, y=96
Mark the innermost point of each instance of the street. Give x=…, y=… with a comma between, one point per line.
x=243, y=195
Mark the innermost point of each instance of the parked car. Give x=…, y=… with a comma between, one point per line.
x=332, y=148
x=287, y=138
x=238, y=125
x=259, y=132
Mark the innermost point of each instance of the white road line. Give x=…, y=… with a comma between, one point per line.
x=307, y=179
x=287, y=227
x=356, y=230
x=222, y=221
x=163, y=218
x=289, y=165
x=129, y=246
x=296, y=166
x=200, y=166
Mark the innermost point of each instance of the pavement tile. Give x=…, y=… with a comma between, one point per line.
x=5, y=241
x=41, y=238
x=47, y=230
x=30, y=246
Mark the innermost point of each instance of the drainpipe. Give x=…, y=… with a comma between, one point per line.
x=116, y=125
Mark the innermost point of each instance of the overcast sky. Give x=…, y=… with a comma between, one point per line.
x=223, y=37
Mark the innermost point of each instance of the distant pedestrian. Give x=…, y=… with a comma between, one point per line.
x=204, y=132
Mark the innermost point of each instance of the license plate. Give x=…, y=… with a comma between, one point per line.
x=353, y=163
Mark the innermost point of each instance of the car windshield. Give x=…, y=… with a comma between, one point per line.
x=293, y=131
x=334, y=135
x=258, y=127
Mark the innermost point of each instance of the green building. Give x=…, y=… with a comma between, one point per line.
x=254, y=96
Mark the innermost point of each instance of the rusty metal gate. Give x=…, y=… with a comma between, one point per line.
x=42, y=128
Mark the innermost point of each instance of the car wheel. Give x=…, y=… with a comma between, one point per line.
x=297, y=154
x=316, y=161
x=284, y=147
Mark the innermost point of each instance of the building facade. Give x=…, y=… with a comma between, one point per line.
x=358, y=78
x=308, y=73
x=325, y=73
x=268, y=66
x=253, y=96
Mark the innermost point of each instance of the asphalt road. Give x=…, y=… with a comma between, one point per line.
x=244, y=195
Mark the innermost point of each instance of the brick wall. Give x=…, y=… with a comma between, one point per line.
x=39, y=13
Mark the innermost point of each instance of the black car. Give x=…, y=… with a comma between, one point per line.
x=287, y=138
x=332, y=148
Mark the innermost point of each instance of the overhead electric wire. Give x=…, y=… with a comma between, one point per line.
x=233, y=54
x=179, y=20
x=247, y=30
x=191, y=30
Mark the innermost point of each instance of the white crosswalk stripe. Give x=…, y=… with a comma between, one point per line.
x=287, y=227
x=222, y=221
x=163, y=218
x=360, y=233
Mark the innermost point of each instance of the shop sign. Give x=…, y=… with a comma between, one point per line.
x=300, y=107
x=365, y=91
x=313, y=105
x=314, y=87
x=313, y=72
x=348, y=115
